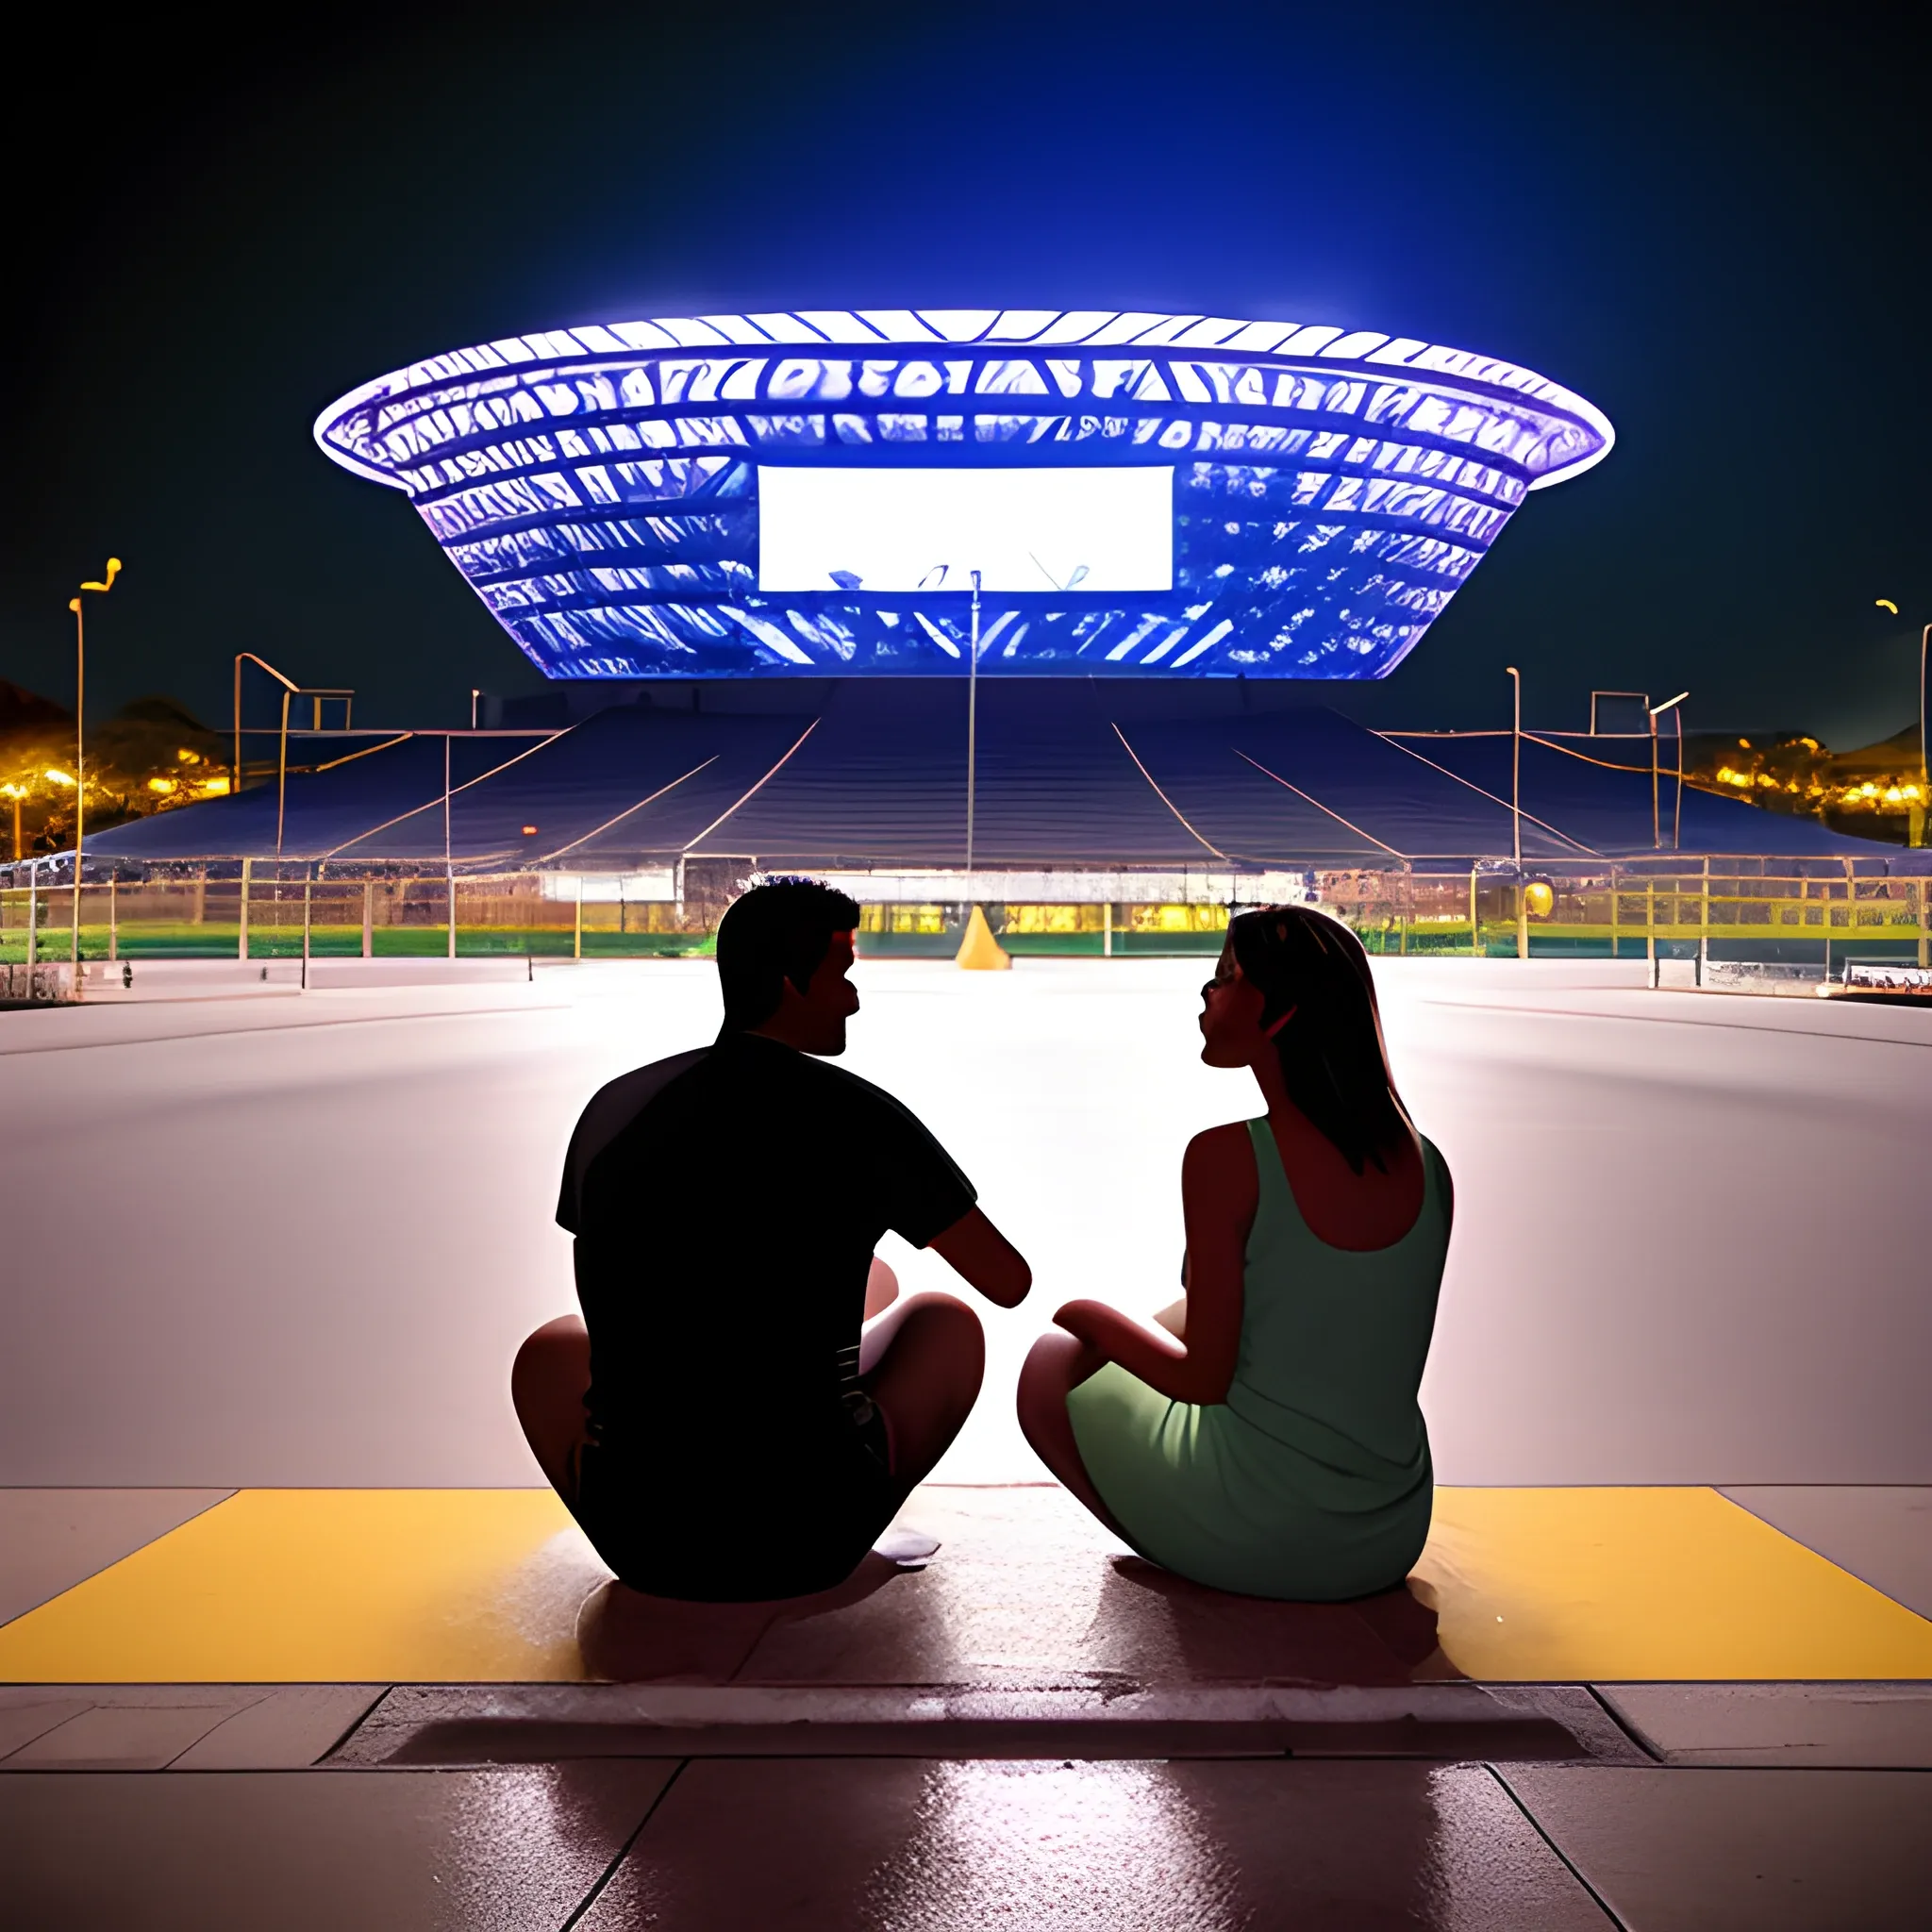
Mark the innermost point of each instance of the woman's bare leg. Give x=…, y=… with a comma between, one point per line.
x=1057, y=1364
x=547, y=1385
x=922, y=1363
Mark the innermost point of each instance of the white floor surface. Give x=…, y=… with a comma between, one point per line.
x=294, y=1239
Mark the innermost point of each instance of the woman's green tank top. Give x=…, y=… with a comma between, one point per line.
x=1334, y=1340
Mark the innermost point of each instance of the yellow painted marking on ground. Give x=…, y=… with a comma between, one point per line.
x=1649, y=1584
x=318, y=1586
x=314, y=1586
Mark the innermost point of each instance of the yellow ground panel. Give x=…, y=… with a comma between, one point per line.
x=313, y=1586
x=320, y=1586
x=1649, y=1584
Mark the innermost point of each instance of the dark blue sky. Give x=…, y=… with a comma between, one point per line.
x=1710, y=221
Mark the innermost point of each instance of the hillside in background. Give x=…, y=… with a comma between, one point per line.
x=150, y=755
x=1876, y=792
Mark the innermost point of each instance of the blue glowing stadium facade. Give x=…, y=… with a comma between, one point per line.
x=600, y=487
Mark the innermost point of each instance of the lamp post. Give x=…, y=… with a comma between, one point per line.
x=1516, y=810
x=1657, y=830
x=105, y=584
x=1924, y=757
x=972, y=729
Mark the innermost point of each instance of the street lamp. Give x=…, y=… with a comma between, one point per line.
x=104, y=584
x=1657, y=830
x=1516, y=810
x=1924, y=759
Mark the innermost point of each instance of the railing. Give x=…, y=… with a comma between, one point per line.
x=268, y=912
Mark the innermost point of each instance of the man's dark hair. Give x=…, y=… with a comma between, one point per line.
x=779, y=930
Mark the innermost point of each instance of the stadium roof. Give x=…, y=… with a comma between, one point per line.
x=600, y=487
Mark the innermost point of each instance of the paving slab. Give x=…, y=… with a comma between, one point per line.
x=292, y=1727
x=182, y=1726
x=315, y=1850
x=30, y=1712
x=1777, y=1851
x=50, y=1539
x=903, y=1846
x=1869, y=1726
x=128, y=1737
x=1880, y=1533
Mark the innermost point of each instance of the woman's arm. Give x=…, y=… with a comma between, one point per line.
x=1219, y=1193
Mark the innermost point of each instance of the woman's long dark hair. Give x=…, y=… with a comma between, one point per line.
x=1311, y=967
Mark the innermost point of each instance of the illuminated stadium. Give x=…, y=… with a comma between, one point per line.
x=665, y=515
x=816, y=493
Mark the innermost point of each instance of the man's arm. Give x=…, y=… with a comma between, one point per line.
x=974, y=1249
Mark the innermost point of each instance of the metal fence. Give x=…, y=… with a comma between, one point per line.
x=1714, y=910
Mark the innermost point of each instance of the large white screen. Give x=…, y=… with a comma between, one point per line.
x=1037, y=529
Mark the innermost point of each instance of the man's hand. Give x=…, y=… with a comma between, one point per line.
x=974, y=1249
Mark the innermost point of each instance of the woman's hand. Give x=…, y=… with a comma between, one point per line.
x=1219, y=1193
x=1148, y=1354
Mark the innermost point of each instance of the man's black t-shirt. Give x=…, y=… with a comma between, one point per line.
x=725, y=1205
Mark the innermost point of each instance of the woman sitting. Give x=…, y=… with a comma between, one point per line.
x=1270, y=1441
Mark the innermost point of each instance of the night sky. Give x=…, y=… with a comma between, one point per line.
x=1710, y=221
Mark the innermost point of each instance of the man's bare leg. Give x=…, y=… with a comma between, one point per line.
x=1057, y=1364
x=547, y=1385
x=552, y=1376
x=923, y=1363
x=881, y=1288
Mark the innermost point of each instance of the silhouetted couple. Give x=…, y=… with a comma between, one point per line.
x=745, y=1404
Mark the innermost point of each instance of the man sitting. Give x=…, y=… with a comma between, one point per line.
x=717, y=1422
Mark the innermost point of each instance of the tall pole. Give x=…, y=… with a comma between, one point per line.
x=104, y=584
x=1925, y=757
x=449, y=869
x=79, y=775
x=1516, y=810
x=1656, y=826
x=1516, y=771
x=1657, y=830
x=1677, y=810
x=282, y=779
x=972, y=730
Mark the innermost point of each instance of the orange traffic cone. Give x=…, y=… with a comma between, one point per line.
x=979, y=952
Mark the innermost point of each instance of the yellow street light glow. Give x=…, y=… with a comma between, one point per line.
x=162, y=785
x=215, y=788
x=59, y=777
